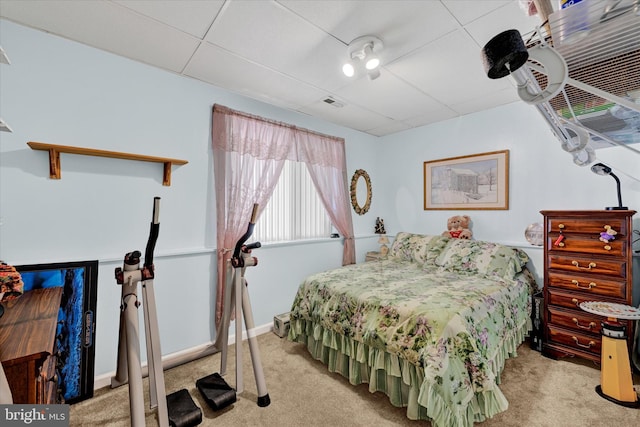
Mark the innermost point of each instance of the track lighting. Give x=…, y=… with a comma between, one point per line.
x=363, y=57
x=348, y=69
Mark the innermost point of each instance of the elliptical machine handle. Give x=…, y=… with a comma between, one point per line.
x=247, y=234
x=153, y=234
x=254, y=214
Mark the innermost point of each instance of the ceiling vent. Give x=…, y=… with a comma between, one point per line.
x=333, y=102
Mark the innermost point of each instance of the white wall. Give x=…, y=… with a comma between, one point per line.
x=542, y=175
x=57, y=91
x=60, y=92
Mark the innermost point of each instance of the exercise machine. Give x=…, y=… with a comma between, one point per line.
x=183, y=411
x=213, y=388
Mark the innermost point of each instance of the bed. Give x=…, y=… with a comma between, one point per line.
x=430, y=326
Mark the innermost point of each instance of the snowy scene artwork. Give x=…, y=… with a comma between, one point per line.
x=477, y=181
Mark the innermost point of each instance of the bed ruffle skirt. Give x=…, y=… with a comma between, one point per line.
x=403, y=382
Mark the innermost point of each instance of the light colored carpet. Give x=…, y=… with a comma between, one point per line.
x=541, y=393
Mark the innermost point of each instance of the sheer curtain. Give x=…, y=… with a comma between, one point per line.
x=325, y=159
x=245, y=145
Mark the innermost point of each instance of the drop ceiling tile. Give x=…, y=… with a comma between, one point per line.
x=505, y=18
x=449, y=69
x=432, y=117
x=402, y=25
x=224, y=69
x=389, y=129
x=191, y=16
x=269, y=34
x=110, y=27
x=467, y=11
x=350, y=115
x=496, y=99
x=389, y=96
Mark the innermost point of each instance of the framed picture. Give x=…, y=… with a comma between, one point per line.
x=477, y=181
x=76, y=321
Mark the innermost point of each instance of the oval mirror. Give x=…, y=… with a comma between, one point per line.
x=361, y=192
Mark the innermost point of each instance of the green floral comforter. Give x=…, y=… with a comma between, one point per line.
x=434, y=341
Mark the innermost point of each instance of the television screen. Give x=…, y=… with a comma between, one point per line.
x=76, y=321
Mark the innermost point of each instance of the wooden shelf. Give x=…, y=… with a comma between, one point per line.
x=55, y=150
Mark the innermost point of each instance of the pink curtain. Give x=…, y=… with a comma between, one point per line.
x=248, y=155
x=325, y=159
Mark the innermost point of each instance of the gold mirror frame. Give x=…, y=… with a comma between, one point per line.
x=360, y=210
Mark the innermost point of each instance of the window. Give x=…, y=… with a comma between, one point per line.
x=295, y=211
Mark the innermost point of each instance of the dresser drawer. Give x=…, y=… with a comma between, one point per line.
x=587, y=225
x=571, y=300
x=577, y=320
x=586, y=245
x=562, y=299
x=582, y=265
x=588, y=285
x=573, y=339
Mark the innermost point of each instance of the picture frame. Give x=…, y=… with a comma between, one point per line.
x=472, y=182
x=75, y=332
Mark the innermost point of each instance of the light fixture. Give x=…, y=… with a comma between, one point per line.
x=363, y=57
x=348, y=69
x=372, y=61
x=602, y=169
x=506, y=54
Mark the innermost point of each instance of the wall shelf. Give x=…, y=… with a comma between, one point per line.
x=55, y=150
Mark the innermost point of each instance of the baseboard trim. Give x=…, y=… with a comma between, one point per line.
x=181, y=357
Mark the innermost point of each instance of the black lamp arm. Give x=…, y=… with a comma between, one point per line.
x=617, y=188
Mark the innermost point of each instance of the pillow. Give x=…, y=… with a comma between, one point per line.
x=483, y=258
x=417, y=248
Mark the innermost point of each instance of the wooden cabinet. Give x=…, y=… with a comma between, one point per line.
x=28, y=343
x=580, y=266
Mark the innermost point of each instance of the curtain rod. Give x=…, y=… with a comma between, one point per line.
x=218, y=108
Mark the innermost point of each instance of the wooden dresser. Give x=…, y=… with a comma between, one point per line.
x=28, y=344
x=579, y=266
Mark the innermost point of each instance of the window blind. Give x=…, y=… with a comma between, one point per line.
x=295, y=211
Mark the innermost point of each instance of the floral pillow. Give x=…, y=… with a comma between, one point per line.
x=417, y=248
x=483, y=258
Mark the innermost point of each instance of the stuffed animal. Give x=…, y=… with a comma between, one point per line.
x=458, y=227
x=607, y=235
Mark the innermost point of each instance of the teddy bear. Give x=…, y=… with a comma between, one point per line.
x=458, y=227
x=607, y=235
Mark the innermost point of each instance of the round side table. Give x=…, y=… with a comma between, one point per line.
x=616, y=382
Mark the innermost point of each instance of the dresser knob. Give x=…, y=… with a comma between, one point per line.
x=607, y=247
x=575, y=301
x=560, y=226
x=561, y=244
x=577, y=264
